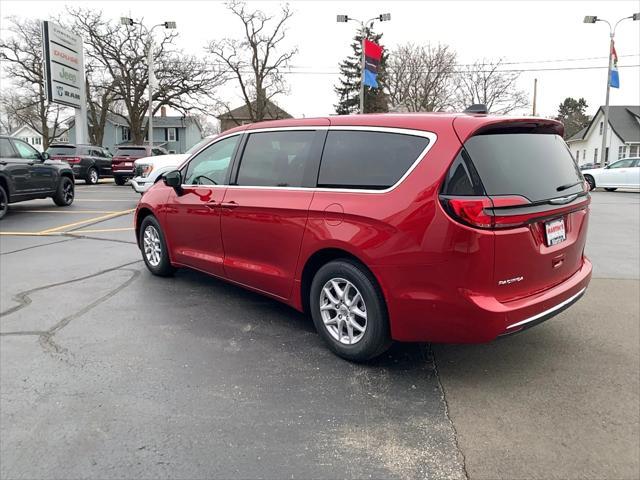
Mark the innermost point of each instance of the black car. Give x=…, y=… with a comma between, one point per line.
x=26, y=174
x=89, y=162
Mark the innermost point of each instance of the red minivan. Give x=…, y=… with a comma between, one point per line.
x=408, y=227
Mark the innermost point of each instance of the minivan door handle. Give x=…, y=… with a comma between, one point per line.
x=230, y=204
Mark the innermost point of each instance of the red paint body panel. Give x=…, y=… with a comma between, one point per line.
x=439, y=277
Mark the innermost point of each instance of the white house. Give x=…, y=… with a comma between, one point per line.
x=33, y=138
x=623, y=133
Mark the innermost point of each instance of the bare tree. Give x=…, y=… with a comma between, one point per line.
x=254, y=61
x=101, y=95
x=22, y=54
x=420, y=77
x=183, y=82
x=484, y=82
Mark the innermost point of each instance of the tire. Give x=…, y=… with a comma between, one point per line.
x=92, y=176
x=590, y=180
x=611, y=189
x=336, y=322
x=120, y=180
x=4, y=202
x=65, y=193
x=151, y=236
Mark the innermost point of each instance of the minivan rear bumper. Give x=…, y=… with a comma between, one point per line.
x=468, y=317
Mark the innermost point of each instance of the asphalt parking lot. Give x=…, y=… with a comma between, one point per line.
x=109, y=372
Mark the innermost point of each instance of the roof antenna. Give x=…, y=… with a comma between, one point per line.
x=477, y=108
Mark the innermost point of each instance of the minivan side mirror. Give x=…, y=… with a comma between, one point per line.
x=173, y=179
x=44, y=156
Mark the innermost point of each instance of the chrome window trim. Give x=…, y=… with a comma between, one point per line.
x=403, y=131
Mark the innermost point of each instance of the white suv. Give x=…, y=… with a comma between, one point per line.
x=148, y=170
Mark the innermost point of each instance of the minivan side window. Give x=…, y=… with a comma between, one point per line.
x=276, y=159
x=368, y=160
x=211, y=165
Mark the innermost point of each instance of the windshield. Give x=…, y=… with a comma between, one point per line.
x=531, y=165
x=61, y=150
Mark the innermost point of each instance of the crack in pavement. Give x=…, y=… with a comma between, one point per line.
x=430, y=356
x=46, y=336
x=38, y=246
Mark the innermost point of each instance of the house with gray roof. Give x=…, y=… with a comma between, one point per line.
x=623, y=136
x=174, y=133
x=241, y=116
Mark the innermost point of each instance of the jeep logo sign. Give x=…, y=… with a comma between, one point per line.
x=64, y=66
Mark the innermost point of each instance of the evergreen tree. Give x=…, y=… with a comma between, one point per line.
x=573, y=114
x=375, y=99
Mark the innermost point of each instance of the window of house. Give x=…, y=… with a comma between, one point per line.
x=276, y=159
x=368, y=160
x=126, y=134
x=595, y=155
x=634, y=151
x=622, y=151
x=601, y=126
x=577, y=155
x=36, y=141
x=171, y=134
x=584, y=154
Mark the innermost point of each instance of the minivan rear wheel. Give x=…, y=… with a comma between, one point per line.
x=154, y=247
x=348, y=311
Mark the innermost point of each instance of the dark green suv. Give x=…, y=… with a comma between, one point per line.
x=26, y=174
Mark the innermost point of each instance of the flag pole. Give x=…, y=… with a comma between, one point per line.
x=605, y=124
x=364, y=33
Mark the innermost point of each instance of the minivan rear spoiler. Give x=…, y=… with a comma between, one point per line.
x=467, y=126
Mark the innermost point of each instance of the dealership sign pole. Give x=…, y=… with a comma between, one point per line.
x=64, y=73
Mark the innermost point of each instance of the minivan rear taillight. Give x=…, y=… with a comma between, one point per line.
x=502, y=211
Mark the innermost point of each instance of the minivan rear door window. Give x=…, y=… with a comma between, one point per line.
x=368, y=160
x=277, y=159
x=532, y=165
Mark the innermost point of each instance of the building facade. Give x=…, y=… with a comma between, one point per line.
x=176, y=134
x=33, y=138
x=623, y=136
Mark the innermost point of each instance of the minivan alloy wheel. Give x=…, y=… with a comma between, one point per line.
x=152, y=245
x=343, y=311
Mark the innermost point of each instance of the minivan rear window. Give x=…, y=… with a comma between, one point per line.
x=526, y=164
x=61, y=150
x=368, y=160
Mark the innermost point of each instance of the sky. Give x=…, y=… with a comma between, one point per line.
x=531, y=35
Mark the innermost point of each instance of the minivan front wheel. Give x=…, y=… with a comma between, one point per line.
x=348, y=311
x=154, y=247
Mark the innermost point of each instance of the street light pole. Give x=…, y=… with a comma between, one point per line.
x=605, y=113
x=168, y=25
x=384, y=17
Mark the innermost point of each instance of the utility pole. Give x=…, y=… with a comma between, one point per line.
x=384, y=17
x=168, y=25
x=605, y=121
x=535, y=95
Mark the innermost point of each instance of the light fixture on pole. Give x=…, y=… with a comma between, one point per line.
x=170, y=26
x=383, y=17
x=605, y=122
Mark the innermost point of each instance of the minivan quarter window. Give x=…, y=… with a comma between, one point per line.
x=211, y=165
x=277, y=159
x=368, y=160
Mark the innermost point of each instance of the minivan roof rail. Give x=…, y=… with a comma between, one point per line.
x=477, y=108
